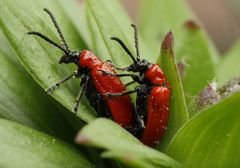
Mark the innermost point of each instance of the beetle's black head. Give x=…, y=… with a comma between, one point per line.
x=71, y=57
x=139, y=66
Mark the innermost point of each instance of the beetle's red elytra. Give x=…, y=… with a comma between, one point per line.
x=93, y=83
x=157, y=117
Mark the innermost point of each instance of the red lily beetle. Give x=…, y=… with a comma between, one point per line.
x=153, y=96
x=93, y=83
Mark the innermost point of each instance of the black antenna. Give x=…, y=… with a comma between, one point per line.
x=136, y=41
x=48, y=40
x=57, y=28
x=125, y=48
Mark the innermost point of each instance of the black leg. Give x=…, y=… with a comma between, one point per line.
x=118, y=75
x=129, y=83
x=134, y=76
x=108, y=94
x=118, y=68
x=83, y=83
x=123, y=69
x=56, y=85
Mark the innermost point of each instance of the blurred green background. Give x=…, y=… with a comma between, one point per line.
x=224, y=32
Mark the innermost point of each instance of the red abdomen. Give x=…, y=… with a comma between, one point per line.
x=157, y=115
x=121, y=107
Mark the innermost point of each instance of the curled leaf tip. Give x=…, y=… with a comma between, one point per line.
x=167, y=44
x=81, y=139
x=191, y=24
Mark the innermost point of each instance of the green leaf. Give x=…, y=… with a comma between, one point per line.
x=76, y=14
x=122, y=146
x=23, y=101
x=192, y=44
x=39, y=57
x=24, y=147
x=157, y=17
x=228, y=66
x=198, y=56
x=109, y=23
x=97, y=42
x=211, y=138
x=4, y=47
x=178, y=109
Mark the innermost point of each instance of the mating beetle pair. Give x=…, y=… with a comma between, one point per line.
x=107, y=94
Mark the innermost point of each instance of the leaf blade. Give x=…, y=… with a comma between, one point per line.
x=171, y=16
x=38, y=57
x=210, y=137
x=121, y=145
x=25, y=147
x=25, y=102
x=110, y=25
x=198, y=56
x=228, y=68
x=178, y=110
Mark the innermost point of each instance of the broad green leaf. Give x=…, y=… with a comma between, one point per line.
x=228, y=66
x=178, y=114
x=4, y=47
x=192, y=45
x=76, y=14
x=24, y=147
x=23, y=101
x=194, y=49
x=211, y=138
x=109, y=23
x=39, y=57
x=122, y=146
x=157, y=17
x=97, y=42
